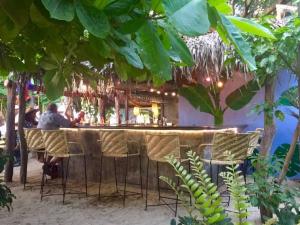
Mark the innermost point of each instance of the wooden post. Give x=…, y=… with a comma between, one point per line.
x=10, y=130
x=101, y=103
x=117, y=108
x=126, y=108
x=23, y=145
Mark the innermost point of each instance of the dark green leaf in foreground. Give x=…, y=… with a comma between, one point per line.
x=93, y=19
x=235, y=37
x=152, y=52
x=188, y=16
x=60, y=9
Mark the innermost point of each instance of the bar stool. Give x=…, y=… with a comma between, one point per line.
x=34, y=143
x=56, y=145
x=158, y=147
x=227, y=149
x=114, y=144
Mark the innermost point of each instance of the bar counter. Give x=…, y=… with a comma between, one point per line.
x=89, y=136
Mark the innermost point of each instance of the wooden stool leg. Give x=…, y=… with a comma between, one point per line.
x=85, y=176
x=125, y=184
x=116, y=177
x=147, y=177
x=141, y=178
x=100, y=176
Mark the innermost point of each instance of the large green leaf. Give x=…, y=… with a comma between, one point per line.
x=178, y=46
x=199, y=98
x=8, y=29
x=242, y=96
x=189, y=17
x=290, y=97
x=235, y=37
x=152, y=52
x=93, y=19
x=60, y=9
x=17, y=11
x=294, y=166
x=251, y=27
x=118, y=7
x=54, y=84
x=221, y=5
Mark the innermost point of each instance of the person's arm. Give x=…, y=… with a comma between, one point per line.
x=61, y=121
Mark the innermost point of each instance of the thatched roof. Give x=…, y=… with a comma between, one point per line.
x=210, y=55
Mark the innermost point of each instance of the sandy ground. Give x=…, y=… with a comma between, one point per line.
x=29, y=210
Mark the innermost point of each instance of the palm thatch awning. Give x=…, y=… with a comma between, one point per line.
x=212, y=57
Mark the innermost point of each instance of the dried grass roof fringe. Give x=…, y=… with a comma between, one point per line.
x=210, y=54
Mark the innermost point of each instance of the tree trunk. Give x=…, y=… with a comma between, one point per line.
x=269, y=124
x=101, y=104
x=10, y=131
x=23, y=145
x=117, y=108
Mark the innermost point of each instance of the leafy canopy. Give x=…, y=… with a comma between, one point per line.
x=142, y=39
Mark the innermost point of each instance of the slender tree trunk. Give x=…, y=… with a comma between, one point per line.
x=269, y=124
x=101, y=104
x=23, y=145
x=117, y=108
x=10, y=131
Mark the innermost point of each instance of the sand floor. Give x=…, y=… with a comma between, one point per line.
x=29, y=210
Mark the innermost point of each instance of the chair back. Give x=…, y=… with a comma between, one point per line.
x=34, y=139
x=230, y=146
x=253, y=141
x=55, y=143
x=161, y=145
x=113, y=142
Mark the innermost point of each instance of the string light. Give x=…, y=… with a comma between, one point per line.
x=158, y=92
x=208, y=79
x=151, y=90
x=220, y=84
x=166, y=93
x=173, y=94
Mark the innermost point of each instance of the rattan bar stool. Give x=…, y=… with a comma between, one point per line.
x=57, y=145
x=35, y=143
x=115, y=144
x=159, y=146
x=228, y=149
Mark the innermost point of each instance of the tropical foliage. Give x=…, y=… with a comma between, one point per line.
x=6, y=196
x=294, y=166
x=141, y=38
x=207, y=99
x=272, y=197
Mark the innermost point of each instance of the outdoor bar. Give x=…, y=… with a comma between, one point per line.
x=149, y=112
x=190, y=139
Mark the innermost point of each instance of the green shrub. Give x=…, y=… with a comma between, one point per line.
x=6, y=196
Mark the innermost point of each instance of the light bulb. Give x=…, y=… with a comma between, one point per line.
x=208, y=79
x=173, y=94
x=220, y=84
x=151, y=90
x=166, y=93
x=158, y=92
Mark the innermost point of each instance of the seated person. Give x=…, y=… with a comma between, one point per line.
x=52, y=120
